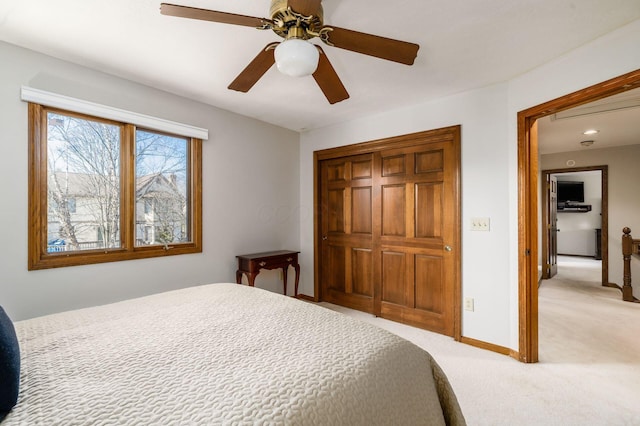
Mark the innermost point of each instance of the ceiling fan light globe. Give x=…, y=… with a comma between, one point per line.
x=296, y=58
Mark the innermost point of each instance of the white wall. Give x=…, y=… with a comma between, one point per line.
x=250, y=192
x=577, y=234
x=624, y=199
x=489, y=169
x=482, y=114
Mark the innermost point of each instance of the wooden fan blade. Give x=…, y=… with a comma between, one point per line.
x=305, y=7
x=255, y=70
x=328, y=80
x=212, y=15
x=372, y=45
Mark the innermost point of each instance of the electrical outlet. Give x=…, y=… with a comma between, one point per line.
x=468, y=304
x=480, y=224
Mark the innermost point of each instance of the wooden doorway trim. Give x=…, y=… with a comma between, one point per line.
x=604, y=183
x=528, y=174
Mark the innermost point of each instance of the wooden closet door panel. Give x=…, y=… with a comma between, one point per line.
x=361, y=169
x=362, y=271
x=393, y=277
x=429, y=198
x=336, y=268
x=394, y=165
x=429, y=284
x=336, y=210
x=346, y=199
x=393, y=210
x=416, y=227
x=429, y=161
x=361, y=198
x=336, y=172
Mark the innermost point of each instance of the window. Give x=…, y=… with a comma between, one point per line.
x=54, y=204
x=148, y=206
x=71, y=205
x=103, y=191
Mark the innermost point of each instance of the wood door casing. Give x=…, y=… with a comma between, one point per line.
x=604, y=244
x=386, y=219
x=550, y=221
x=528, y=200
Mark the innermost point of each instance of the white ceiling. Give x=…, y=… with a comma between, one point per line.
x=617, y=119
x=464, y=45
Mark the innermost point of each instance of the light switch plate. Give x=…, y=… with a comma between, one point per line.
x=468, y=304
x=480, y=224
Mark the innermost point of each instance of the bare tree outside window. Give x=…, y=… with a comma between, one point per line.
x=84, y=186
x=83, y=159
x=161, y=189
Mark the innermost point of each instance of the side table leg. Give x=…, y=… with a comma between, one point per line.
x=238, y=276
x=252, y=278
x=284, y=278
x=297, y=268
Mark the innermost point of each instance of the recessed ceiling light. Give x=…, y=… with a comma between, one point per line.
x=591, y=132
x=586, y=143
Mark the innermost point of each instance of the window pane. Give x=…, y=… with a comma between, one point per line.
x=83, y=184
x=162, y=210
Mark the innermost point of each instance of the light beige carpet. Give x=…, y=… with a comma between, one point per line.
x=589, y=370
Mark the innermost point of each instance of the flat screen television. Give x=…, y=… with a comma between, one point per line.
x=570, y=192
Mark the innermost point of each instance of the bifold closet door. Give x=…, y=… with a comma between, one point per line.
x=389, y=232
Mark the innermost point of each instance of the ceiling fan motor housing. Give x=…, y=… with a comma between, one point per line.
x=293, y=24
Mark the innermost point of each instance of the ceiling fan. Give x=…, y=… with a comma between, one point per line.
x=298, y=21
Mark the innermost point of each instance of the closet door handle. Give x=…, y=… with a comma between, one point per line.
x=447, y=248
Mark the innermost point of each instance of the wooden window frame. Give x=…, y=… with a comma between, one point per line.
x=39, y=258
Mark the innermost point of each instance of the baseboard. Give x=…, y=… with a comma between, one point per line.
x=305, y=297
x=612, y=285
x=489, y=347
x=585, y=256
x=539, y=280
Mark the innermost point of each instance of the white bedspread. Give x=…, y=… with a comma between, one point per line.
x=223, y=354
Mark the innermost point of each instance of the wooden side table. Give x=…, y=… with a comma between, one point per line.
x=251, y=264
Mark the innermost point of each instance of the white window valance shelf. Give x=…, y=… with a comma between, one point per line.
x=42, y=97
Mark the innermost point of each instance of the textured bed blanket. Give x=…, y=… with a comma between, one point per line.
x=223, y=354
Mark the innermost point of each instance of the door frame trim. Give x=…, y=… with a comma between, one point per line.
x=528, y=202
x=452, y=133
x=604, y=185
x=546, y=225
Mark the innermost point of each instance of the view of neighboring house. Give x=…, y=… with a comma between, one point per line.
x=82, y=217
x=161, y=210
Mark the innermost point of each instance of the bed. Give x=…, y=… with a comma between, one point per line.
x=223, y=354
